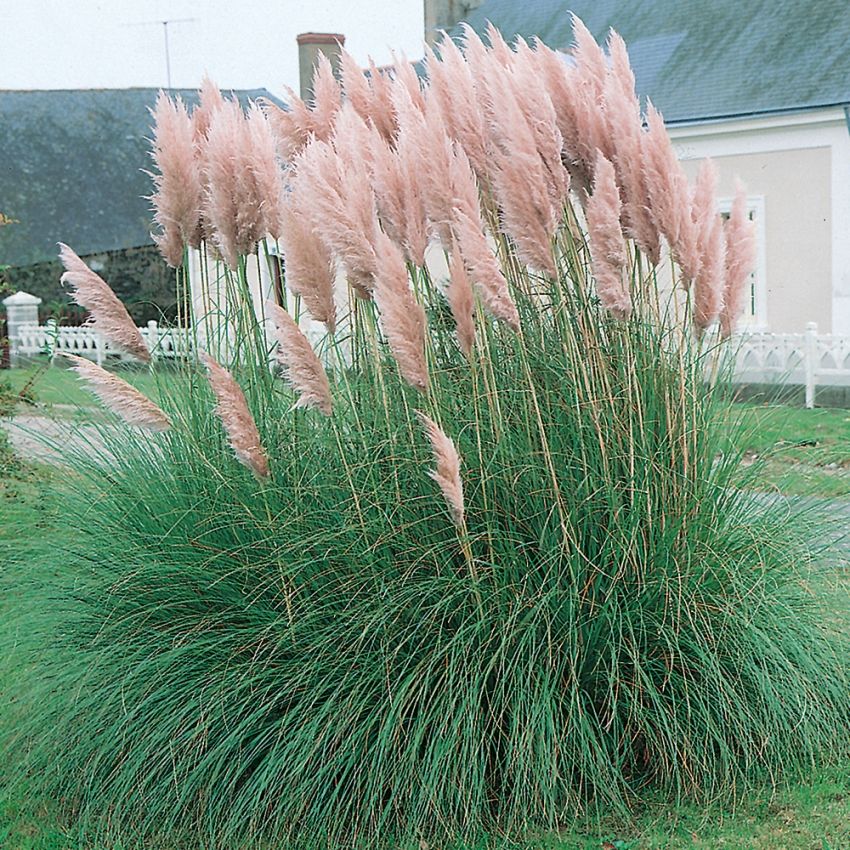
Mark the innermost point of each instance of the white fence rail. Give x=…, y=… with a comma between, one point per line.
x=84, y=341
x=809, y=359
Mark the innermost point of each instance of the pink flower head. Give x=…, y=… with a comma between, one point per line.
x=453, y=89
x=669, y=195
x=710, y=281
x=484, y=270
x=177, y=195
x=607, y=246
x=310, y=269
x=740, y=237
x=622, y=113
x=402, y=317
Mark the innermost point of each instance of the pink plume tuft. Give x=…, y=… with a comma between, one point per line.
x=121, y=398
x=108, y=315
x=303, y=368
x=177, y=186
x=462, y=303
x=740, y=235
x=447, y=473
x=607, y=246
x=310, y=269
x=402, y=317
x=236, y=418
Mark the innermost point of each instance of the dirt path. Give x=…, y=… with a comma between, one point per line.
x=47, y=438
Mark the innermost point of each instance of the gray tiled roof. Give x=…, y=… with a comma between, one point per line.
x=706, y=59
x=71, y=170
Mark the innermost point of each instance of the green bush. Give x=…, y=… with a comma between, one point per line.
x=310, y=656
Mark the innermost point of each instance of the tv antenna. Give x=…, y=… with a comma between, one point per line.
x=165, y=25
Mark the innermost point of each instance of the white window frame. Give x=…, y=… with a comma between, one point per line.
x=754, y=320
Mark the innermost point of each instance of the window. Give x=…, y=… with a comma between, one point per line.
x=754, y=317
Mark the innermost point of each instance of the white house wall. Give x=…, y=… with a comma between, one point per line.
x=799, y=165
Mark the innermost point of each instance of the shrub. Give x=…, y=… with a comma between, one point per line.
x=314, y=642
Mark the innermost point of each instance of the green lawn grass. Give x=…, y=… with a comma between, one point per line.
x=797, y=451
x=58, y=385
x=800, y=452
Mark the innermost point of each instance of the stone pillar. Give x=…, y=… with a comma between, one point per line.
x=310, y=45
x=21, y=309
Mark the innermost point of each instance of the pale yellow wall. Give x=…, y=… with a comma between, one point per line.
x=795, y=185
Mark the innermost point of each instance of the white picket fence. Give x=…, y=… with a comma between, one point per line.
x=84, y=341
x=808, y=359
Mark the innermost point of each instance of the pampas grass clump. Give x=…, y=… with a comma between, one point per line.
x=484, y=565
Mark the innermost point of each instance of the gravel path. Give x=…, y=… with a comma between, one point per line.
x=38, y=437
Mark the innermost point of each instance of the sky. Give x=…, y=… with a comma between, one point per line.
x=119, y=43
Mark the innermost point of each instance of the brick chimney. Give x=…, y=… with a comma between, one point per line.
x=310, y=45
x=444, y=14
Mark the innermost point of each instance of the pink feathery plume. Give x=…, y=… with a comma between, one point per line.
x=303, y=368
x=447, y=473
x=121, y=398
x=265, y=170
x=709, y=283
x=740, y=238
x=310, y=269
x=397, y=184
x=484, y=270
x=177, y=186
x=336, y=197
x=355, y=85
x=622, y=113
x=369, y=95
x=402, y=317
x=108, y=315
x=459, y=102
x=499, y=48
x=292, y=127
x=327, y=98
x=607, y=246
x=519, y=176
x=589, y=75
x=239, y=425
x=382, y=113
x=561, y=83
x=462, y=302
x=539, y=112
x=209, y=102
x=224, y=208
x=669, y=195
x=404, y=74
x=428, y=152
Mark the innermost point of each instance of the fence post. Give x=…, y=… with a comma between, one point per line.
x=811, y=352
x=153, y=337
x=21, y=309
x=52, y=338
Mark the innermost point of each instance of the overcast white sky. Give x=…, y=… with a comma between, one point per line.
x=110, y=44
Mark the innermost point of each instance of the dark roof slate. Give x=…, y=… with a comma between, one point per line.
x=71, y=170
x=704, y=60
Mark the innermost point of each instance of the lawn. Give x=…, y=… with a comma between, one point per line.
x=58, y=385
x=798, y=451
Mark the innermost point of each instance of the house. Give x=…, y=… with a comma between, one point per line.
x=74, y=170
x=763, y=88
